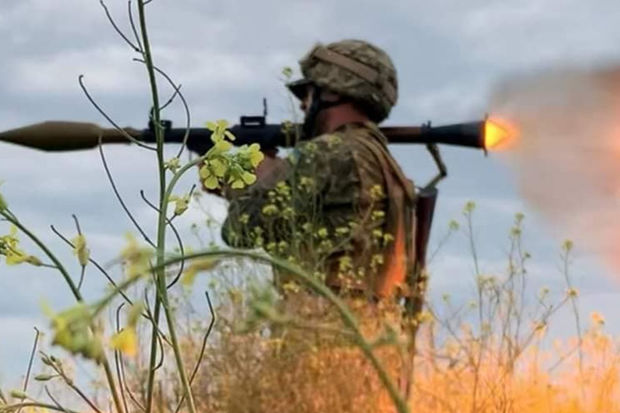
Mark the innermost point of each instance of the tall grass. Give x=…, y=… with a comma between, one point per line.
x=489, y=355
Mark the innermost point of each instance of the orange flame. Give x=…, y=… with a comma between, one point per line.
x=498, y=134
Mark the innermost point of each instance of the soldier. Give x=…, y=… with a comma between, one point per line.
x=339, y=205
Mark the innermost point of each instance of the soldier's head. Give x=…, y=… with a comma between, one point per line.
x=347, y=72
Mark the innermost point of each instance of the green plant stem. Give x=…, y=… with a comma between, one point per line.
x=161, y=289
x=31, y=362
x=76, y=389
x=479, y=287
x=51, y=407
x=153, y=356
x=575, y=309
x=161, y=229
x=161, y=296
x=345, y=313
x=61, y=268
x=76, y=294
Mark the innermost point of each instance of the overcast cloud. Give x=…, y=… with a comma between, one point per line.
x=228, y=55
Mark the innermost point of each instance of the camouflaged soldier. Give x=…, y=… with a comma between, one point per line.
x=339, y=205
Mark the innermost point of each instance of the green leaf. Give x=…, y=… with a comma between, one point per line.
x=3, y=204
x=18, y=394
x=44, y=377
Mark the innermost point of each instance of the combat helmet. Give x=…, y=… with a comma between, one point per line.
x=353, y=69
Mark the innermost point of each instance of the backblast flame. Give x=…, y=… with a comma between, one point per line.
x=498, y=134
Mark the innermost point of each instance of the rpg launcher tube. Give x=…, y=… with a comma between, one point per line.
x=66, y=136
x=469, y=134
x=271, y=136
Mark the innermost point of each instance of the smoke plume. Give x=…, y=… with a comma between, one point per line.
x=567, y=152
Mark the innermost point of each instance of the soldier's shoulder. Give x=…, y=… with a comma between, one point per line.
x=346, y=138
x=330, y=141
x=325, y=147
x=344, y=145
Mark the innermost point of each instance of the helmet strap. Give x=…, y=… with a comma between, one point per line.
x=316, y=106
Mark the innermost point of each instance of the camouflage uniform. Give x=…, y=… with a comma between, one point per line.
x=334, y=180
x=341, y=207
x=333, y=217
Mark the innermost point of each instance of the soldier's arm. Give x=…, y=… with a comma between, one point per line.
x=245, y=206
x=316, y=176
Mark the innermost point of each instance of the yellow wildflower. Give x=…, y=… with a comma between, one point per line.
x=376, y=193
x=72, y=331
x=378, y=215
x=80, y=249
x=597, y=319
x=255, y=155
x=270, y=210
x=469, y=207
x=197, y=266
x=424, y=316
x=9, y=247
x=173, y=164
x=125, y=341
x=136, y=257
x=181, y=203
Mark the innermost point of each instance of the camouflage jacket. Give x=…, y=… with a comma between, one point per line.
x=328, y=209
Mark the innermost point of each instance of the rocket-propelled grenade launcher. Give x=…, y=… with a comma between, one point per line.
x=485, y=134
x=66, y=136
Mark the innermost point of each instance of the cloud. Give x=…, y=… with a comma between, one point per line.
x=107, y=69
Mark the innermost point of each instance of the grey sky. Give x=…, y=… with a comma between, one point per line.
x=228, y=55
